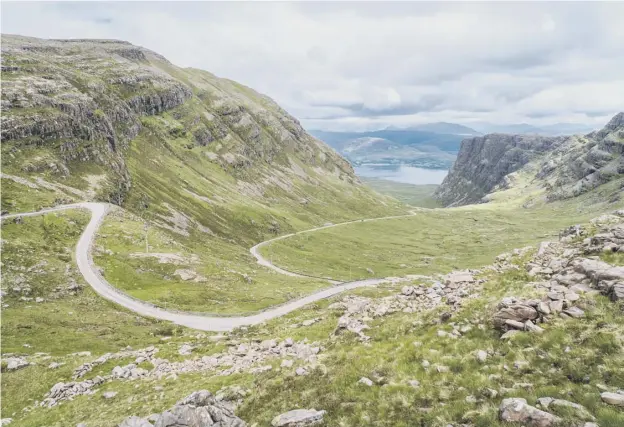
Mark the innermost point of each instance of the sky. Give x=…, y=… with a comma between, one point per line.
x=365, y=66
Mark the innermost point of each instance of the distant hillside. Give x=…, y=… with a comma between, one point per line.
x=416, y=147
x=562, y=167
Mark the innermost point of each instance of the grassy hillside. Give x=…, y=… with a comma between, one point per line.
x=106, y=120
x=573, y=359
x=229, y=281
x=47, y=306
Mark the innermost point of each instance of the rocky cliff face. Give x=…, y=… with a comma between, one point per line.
x=563, y=166
x=84, y=100
x=484, y=161
x=583, y=163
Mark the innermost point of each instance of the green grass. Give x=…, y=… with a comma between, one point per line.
x=235, y=283
x=432, y=241
x=38, y=252
x=616, y=258
x=413, y=195
x=266, y=192
x=20, y=198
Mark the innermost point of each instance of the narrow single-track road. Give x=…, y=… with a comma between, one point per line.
x=206, y=323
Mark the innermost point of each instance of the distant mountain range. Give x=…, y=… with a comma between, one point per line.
x=441, y=127
x=414, y=147
x=429, y=145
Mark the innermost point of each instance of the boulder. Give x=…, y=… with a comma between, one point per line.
x=579, y=411
x=185, y=350
x=515, y=312
x=135, y=421
x=482, y=356
x=616, y=292
x=15, y=363
x=298, y=418
x=516, y=410
x=365, y=381
x=616, y=399
x=458, y=277
x=574, y=312
x=599, y=270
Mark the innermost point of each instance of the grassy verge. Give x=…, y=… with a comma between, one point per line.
x=37, y=254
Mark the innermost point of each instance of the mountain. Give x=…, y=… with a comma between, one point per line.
x=445, y=128
x=107, y=120
x=563, y=167
x=557, y=129
x=416, y=147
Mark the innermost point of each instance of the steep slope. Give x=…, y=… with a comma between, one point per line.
x=484, y=161
x=560, y=167
x=584, y=162
x=106, y=120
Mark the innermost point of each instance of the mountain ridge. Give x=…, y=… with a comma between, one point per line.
x=78, y=109
x=563, y=167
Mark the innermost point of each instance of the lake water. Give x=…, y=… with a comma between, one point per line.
x=401, y=173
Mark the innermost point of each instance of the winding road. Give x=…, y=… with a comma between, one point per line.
x=206, y=323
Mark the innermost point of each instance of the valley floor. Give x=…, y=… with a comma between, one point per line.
x=433, y=241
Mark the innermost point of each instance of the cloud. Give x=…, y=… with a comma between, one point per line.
x=366, y=65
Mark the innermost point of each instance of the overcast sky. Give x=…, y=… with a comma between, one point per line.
x=361, y=66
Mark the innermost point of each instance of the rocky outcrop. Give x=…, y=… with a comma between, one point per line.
x=298, y=418
x=569, y=271
x=200, y=409
x=483, y=162
x=450, y=290
x=553, y=404
x=583, y=163
x=15, y=363
x=564, y=166
x=516, y=410
x=244, y=357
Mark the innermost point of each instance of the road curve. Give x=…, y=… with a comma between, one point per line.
x=267, y=263
x=206, y=323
